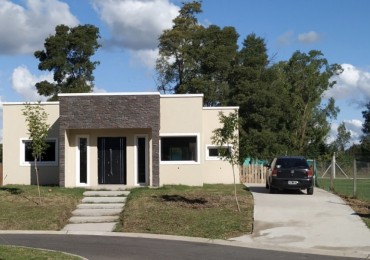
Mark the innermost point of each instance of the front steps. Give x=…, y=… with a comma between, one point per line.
x=98, y=212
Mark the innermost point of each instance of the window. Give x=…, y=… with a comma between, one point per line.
x=214, y=152
x=179, y=148
x=49, y=157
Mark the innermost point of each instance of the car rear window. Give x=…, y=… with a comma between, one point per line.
x=291, y=163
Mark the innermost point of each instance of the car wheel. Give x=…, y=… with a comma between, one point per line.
x=310, y=191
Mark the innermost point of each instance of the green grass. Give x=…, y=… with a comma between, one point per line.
x=20, y=253
x=209, y=211
x=20, y=208
x=345, y=187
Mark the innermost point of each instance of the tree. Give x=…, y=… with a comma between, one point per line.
x=1, y=153
x=343, y=138
x=195, y=59
x=365, y=139
x=254, y=88
x=307, y=78
x=174, y=48
x=36, y=119
x=67, y=54
x=227, y=135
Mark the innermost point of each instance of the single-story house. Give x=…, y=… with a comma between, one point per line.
x=131, y=139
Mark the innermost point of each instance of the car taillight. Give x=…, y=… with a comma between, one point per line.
x=309, y=173
x=274, y=172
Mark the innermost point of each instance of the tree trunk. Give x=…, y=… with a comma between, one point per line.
x=37, y=180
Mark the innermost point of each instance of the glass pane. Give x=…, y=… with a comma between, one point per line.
x=83, y=159
x=49, y=154
x=141, y=162
x=179, y=148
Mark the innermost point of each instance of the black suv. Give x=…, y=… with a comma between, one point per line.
x=290, y=172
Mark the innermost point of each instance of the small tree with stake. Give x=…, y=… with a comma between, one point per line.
x=227, y=135
x=38, y=128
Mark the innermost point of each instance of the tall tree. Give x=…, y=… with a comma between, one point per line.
x=67, y=54
x=253, y=90
x=175, y=48
x=195, y=59
x=36, y=119
x=307, y=78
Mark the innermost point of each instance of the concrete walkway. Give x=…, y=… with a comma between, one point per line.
x=98, y=212
x=296, y=220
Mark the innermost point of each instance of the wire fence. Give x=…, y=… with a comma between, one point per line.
x=347, y=177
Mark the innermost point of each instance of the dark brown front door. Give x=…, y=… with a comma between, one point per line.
x=112, y=160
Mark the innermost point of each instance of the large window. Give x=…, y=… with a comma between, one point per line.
x=49, y=157
x=179, y=148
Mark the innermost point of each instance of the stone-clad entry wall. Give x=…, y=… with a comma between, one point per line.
x=110, y=111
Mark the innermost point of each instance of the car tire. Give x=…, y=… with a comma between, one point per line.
x=310, y=191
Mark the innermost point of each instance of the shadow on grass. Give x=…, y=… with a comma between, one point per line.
x=14, y=191
x=178, y=198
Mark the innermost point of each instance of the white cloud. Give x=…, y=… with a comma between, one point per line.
x=286, y=38
x=289, y=38
x=144, y=57
x=23, y=83
x=354, y=126
x=353, y=84
x=29, y=25
x=136, y=24
x=309, y=37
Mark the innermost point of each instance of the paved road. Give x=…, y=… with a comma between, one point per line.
x=296, y=220
x=120, y=247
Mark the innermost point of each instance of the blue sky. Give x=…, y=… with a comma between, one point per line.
x=130, y=28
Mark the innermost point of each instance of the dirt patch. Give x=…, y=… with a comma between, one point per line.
x=362, y=208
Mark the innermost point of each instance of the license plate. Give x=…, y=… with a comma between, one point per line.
x=292, y=182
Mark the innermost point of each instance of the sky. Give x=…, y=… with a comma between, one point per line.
x=130, y=29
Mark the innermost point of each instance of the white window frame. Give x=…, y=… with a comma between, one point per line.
x=215, y=158
x=197, y=135
x=78, y=183
x=22, y=150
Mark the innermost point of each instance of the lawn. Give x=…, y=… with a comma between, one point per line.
x=344, y=188
x=209, y=211
x=20, y=253
x=20, y=208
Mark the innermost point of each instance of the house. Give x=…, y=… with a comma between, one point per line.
x=132, y=139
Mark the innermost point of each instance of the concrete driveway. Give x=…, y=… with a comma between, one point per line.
x=321, y=221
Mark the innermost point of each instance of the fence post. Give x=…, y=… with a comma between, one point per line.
x=354, y=179
x=332, y=173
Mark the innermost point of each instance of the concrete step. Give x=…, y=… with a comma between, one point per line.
x=104, y=193
x=96, y=212
x=104, y=199
x=97, y=227
x=101, y=206
x=95, y=219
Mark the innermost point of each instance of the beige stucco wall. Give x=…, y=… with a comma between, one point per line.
x=92, y=135
x=215, y=171
x=185, y=115
x=182, y=115
x=14, y=130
